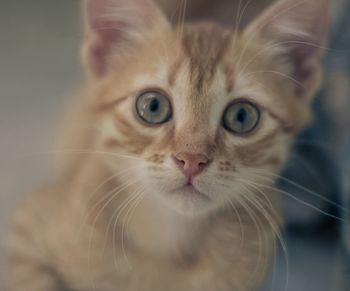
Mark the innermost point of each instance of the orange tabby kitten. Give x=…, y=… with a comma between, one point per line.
x=170, y=153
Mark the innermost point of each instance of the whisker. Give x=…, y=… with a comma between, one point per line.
x=183, y=16
x=238, y=14
x=85, y=152
x=276, y=231
x=127, y=219
x=100, y=212
x=279, y=74
x=244, y=8
x=100, y=201
x=319, y=196
x=259, y=232
x=278, y=44
x=261, y=192
x=109, y=195
x=255, y=33
x=240, y=222
x=115, y=212
x=119, y=212
x=319, y=144
x=300, y=201
x=307, y=166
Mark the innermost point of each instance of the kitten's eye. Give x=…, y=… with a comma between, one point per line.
x=241, y=117
x=153, y=108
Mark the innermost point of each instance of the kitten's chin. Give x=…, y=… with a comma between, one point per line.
x=188, y=201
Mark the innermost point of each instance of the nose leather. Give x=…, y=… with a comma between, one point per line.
x=191, y=164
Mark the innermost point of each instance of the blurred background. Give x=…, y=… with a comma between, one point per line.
x=40, y=71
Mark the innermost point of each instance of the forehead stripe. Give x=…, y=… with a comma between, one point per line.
x=205, y=46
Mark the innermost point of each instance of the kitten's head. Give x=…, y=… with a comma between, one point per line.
x=200, y=116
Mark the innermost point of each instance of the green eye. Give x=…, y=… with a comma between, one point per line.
x=241, y=117
x=153, y=108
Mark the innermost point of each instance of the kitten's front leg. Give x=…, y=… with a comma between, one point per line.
x=29, y=267
x=27, y=275
x=27, y=270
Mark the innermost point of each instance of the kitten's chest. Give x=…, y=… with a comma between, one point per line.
x=119, y=268
x=218, y=262
x=127, y=274
x=117, y=271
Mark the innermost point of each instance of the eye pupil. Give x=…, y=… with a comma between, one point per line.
x=154, y=105
x=242, y=115
x=153, y=108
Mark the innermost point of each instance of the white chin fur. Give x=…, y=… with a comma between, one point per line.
x=188, y=205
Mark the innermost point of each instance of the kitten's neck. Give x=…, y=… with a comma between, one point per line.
x=158, y=229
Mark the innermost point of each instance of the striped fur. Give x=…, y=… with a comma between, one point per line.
x=111, y=220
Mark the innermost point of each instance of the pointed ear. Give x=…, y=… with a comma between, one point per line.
x=296, y=32
x=115, y=25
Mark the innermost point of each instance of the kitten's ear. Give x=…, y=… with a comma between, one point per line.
x=114, y=25
x=296, y=31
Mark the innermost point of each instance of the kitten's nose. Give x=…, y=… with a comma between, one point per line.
x=191, y=164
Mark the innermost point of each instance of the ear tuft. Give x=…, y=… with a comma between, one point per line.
x=114, y=25
x=298, y=29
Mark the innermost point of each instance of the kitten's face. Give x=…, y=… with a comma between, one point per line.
x=200, y=117
x=199, y=130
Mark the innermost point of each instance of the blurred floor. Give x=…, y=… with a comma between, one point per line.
x=39, y=71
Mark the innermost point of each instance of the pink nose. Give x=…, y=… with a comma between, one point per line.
x=191, y=164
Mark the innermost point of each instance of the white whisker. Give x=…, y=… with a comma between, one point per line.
x=300, y=201
x=239, y=221
x=276, y=231
x=255, y=33
x=127, y=219
x=261, y=173
x=120, y=189
x=259, y=233
x=279, y=74
x=129, y=201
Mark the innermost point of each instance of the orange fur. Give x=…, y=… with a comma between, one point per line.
x=113, y=221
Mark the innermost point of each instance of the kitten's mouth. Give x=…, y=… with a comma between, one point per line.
x=190, y=190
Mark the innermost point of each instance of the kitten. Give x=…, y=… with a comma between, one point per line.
x=171, y=152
